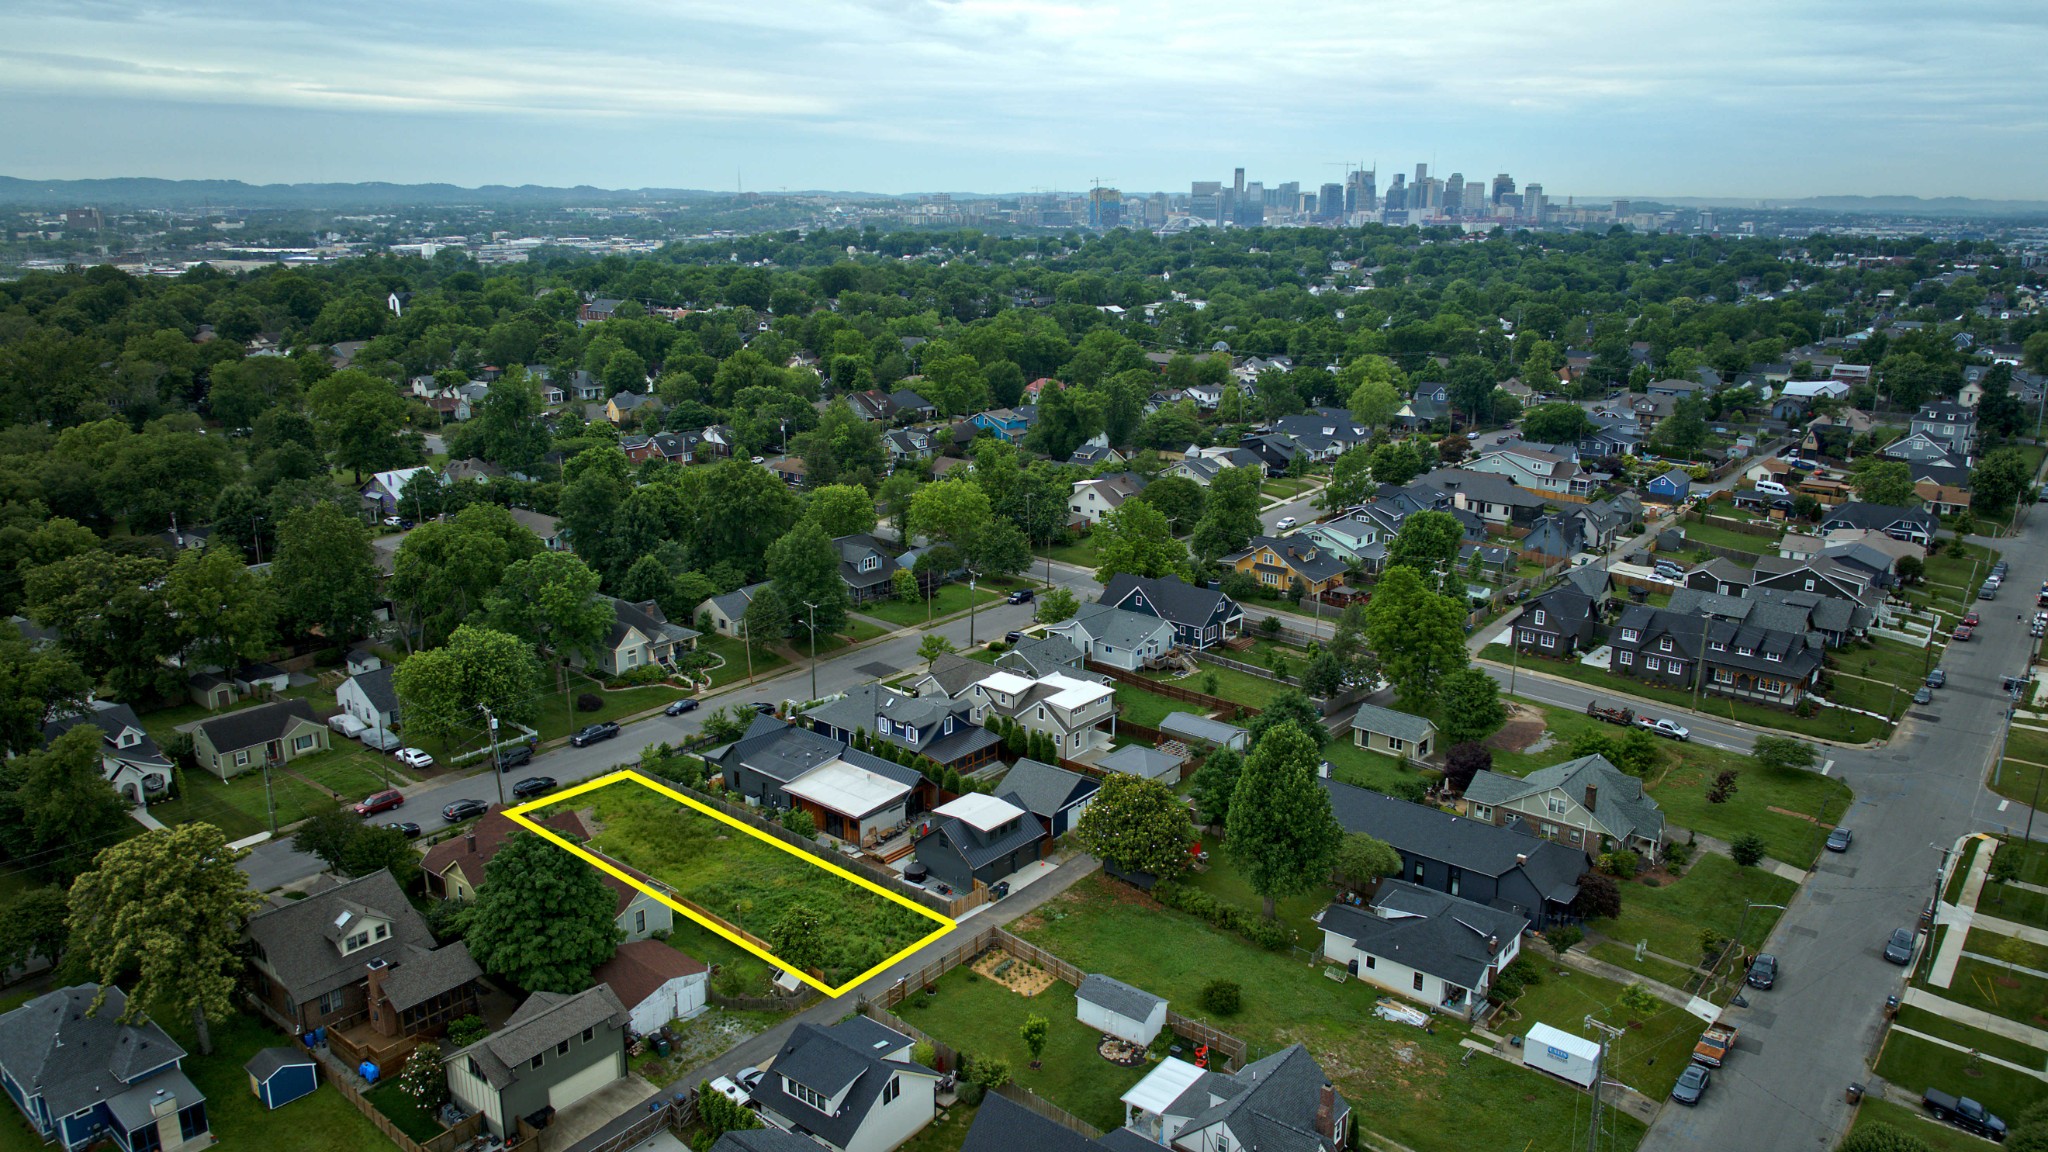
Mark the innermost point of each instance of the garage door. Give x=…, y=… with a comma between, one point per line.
x=584, y=1083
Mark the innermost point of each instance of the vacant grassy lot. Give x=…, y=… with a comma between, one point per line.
x=1720, y=537
x=1374, y=770
x=1653, y=1049
x=1711, y=894
x=1147, y=708
x=748, y=882
x=736, y=657
x=1917, y=1064
x=946, y=600
x=981, y=1017
x=1401, y=1082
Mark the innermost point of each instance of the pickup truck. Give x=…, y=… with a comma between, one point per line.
x=1964, y=1113
x=1714, y=1045
x=1611, y=715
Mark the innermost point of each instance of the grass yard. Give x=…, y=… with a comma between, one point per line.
x=2016, y=780
x=1375, y=770
x=948, y=599
x=2000, y=991
x=1880, y=675
x=750, y=883
x=321, y=1122
x=1652, y=1050
x=558, y=717
x=1225, y=880
x=1402, y=1083
x=1826, y=723
x=1081, y=552
x=1916, y=1064
x=1711, y=894
x=1624, y=956
x=1959, y=870
x=1921, y=1020
x=1147, y=708
x=404, y=1111
x=1242, y=687
x=735, y=656
x=1914, y=1123
x=2015, y=904
x=239, y=807
x=1715, y=534
x=947, y=1132
x=981, y=1017
x=1293, y=661
x=1287, y=486
x=2033, y=860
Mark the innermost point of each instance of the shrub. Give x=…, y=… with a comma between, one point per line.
x=970, y=1093
x=589, y=702
x=1640, y=1000
x=1746, y=849
x=1223, y=997
x=923, y=1053
x=1621, y=863
x=1564, y=938
x=466, y=1030
x=800, y=822
x=988, y=1071
x=1678, y=855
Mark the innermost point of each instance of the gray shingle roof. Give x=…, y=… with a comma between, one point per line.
x=827, y=1060
x=1472, y=845
x=1118, y=627
x=1270, y=1104
x=270, y=1061
x=49, y=1045
x=1620, y=804
x=377, y=688
x=1434, y=932
x=1139, y=760
x=1044, y=790
x=1387, y=722
x=1003, y=1126
x=111, y=719
x=253, y=726
x=545, y=1020
x=776, y=1140
x=297, y=940
x=1199, y=727
x=1168, y=597
x=1116, y=996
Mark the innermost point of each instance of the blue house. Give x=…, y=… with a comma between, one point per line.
x=1006, y=423
x=279, y=1076
x=84, y=1078
x=1670, y=488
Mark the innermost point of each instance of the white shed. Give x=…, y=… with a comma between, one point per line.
x=1118, y=1009
x=1561, y=1054
x=655, y=982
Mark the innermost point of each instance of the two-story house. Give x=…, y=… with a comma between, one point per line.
x=1091, y=500
x=454, y=870
x=1116, y=637
x=866, y=566
x=356, y=953
x=979, y=839
x=1917, y=525
x=908, y=446
x=275, y=733
x=1506, y=867
x=382, y=491
x=83, y=1078
x=1742, y=659
x=851, y=794
x=1201, y=617
x=1587, y=803
x=641, y=637
x=941, y=730
x=1284, y=562
x=1055, y=796
x=851, y=1087
x=1439, y=950
x=1282, y=1101
x=1949, y=424
x=129, y=758
x=1558, y=624
x=1276, y=450
x=1540, y=472
x=554, y=1051
x=1068, y=710
x=1490, y=496
x=1005, y=423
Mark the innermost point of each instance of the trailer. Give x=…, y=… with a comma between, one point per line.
x=1622, y=716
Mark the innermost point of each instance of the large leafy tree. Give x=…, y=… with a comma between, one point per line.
x=359, y=418
x=1428, y=543
x=162, y=915
x=1289, y=707
x=2001, y=479
x=1351, y=480
x=1887, y=482
x=803, y=567
x=225, y=613
x=57, y=809
x=1363, y=859
x=950, y=512
x=1232, y=516
x=1280, y=829
x=1136, y=824
x=35, y=688
x=842, y=509
x=444, y=570
x=1178, y=498
x=1559, y=423
x=507, y=429
x=1419, y=635
x=1135, y=538
x=1469, y=701
x=444, y=688
x=843, y=448
x=111, y=613
x=35, y=924
x=542, y=919
x=1214, y=783
x=351, y=847
x=551, y=601
x=325, y=573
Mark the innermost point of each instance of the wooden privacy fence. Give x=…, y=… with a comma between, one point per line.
x=447, y=1141
x=946, y=1058
x=1743, y=527
x=1172, y=691
x=675, y=1115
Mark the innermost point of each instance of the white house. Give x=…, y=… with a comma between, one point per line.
x=853, y=1086
x=1561, y=1054
x=1431, y=947
x=1062, y=707
x=1116, y=636
x=1093, y=499
x=1114, y=1007
x=656, y=983
x=370, y=698
x=129, y=760
x=1280, y=1101
x=1542, y=472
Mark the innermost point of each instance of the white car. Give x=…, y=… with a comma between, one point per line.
x=1670, y=728
x=1284, y=523
x=414, y=758
x=725, y=1087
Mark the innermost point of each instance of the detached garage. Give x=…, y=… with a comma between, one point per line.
x=1561, y=1054
x=1116, y=1008
x=655, y=982
x=279, y=1076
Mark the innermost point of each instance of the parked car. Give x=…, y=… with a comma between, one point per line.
x=1840, y=839
x=1284, y=523
x=1692, y=1084
x=1013, y=637
x=1971, y=619
x=1670, y=729
x=1763, y=971
x=1023, y=596
x=1923, y=695
x=532, y=786
x=1899, y=949
x=1964, y=1113
x=405, y=828
x=383, y=801
x=750, y=1078
x=1962, y=632
x=1937, y=678
x=603, y=730
x=680, y=707
x=519, y=757
x=414, y=758
x=463, y=810
x=762, y=706
x=725, y=1087
x=382, y=739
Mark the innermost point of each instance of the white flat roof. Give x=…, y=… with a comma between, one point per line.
x=1162, y=1086
x=1009, y=682
x=980, y=811
x=1561, y=1040
x=847, y=790
x=1070, y=693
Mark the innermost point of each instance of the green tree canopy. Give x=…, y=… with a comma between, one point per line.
x=1419, y=635
x=542, y=919
x=1280, y=830
x=445, y=688
x=1136, y=824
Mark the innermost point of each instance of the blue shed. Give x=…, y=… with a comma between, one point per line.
x=279, y=1076
x=1671, y=488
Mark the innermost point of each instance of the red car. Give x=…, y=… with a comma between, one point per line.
x=1971, y=619
x=1962, y=632
x=383, y=801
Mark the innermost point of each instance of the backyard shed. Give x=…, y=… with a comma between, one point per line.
x=1561, y=1054
x=1118, y=1009
x=1200, y=729
x=279, y=1076
x=655, y=982
x=1139, y=760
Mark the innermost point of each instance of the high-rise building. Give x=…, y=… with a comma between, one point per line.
x=1250, y=209
x=1623, y=210
x=1454, y=195
x=1397, y=192
x=1330, y=202
x=1156, y=207
x=1105, y=207
x=1205, y=201
x=1286, y=197
x=1421, y=174
x=1502, y=185
x=1363, y=192
x=1237, y=183
x=1532, y=202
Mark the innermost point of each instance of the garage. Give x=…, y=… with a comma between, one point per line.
x=583, y=1083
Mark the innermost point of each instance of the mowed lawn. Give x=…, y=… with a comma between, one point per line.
x=1711, y=894
x=1148, y=708
x=1917, y=1064
x=1402, y=1083
x=1914, y=1123
x=749, y=882
x=241, y=806
x=948, y=599
x=1653, y=1048
x=981, y=1018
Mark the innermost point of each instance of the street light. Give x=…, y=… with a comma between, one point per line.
x=813, y=612
x=972, y=576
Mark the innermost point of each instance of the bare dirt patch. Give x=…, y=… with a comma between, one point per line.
x=1019, y=977
x=1524, y=731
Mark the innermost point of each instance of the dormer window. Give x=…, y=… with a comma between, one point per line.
x=1539, y=617
x=1774, y=657
x=1745, y=651
x=909, y=734
x=129, y=738
x=1631, y=635
x=1664, y=645
x=804, y=1094
x=355, y=941
x=869, y=563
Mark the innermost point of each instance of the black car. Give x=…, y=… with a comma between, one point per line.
x=1023, y=596
x=1692, y=1084
x=1763, y=971
x=680, y=707
x=1937, y=678
x=532, y=786
x=1899, y=949
x=591, y=735
x=1013, y=637
x=405, y=828
x=763, y=707
x=464, y=810
x=510, y=758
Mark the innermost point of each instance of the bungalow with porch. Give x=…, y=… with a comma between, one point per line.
x=1439, y=950
x=274, y=733
x=641, y=637
x=1587, y=803
x=129, y=759
x=725, y=613
x=1285, y=562
x=866, y=566
x=1093, y=499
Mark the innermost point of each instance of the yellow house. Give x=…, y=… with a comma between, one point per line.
x=1280, y=562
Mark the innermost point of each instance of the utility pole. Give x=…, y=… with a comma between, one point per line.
x=269, y=802
x=491, y=737
x=1940, y=874
x=813, y=627
x=1608, y=1033
x=972, y=576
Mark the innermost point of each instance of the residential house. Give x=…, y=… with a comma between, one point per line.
x=979, y=839
x=1720, y=575
x=949, y=676
x=1286, y=562
x=259, y=678
x=361, y=660
x=1357, y=541
x=1505, y=867
x=1096, y=452
x=1198, y=731
x=553, y=1051
x=83, y=1077
x=656, y=984
x=851, y=794
x=1043, y=656
x=907, y=404
x=1392, y=733
x=1917, y=525
x=1114, y=1008
x=1430, y=403
x=1275, y=450
x=455, y=869
x=866, y=566
x=791, y=470
x=1207, y=397
x=1091, y=500
x=1558, y=624
x=1055, y=796
x=674, y=447
x=1605, y=521
x=1490, y=496
x=1540, y=472
x=1553, y=537
x=720, y=442
x=371, y=698
x=1439, y=950
x=1067, y=710
x=596, y=310
x=1743, y=660
x=1613, y=435
x=1325, y=433
x=1587, y=803
x=274, y=733
x=908, y=445
x=1942, y=499
x=1672, y=487
x=1117, y=637
x=548, y=528
x=1678, y=389
x=1283, y=1102
x=1005, y=423
x=1837, y=620
x=851, y=1087
x=357, y=952
x=944, y=731
x=871, y=405
x=129, y=759
x=1951, y=425
x=641, y=637
x=1201, y=617
x=382, y=491
x=725, y=613
x=1920, y=448
x=1822, y=574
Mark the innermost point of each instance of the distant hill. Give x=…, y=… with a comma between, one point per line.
x=147, y=192
x=1861, y=205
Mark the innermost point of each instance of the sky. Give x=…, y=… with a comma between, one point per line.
x=1596, y=98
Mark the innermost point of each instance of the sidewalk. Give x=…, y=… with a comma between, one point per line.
x=1959, y=918
x=1620, y=975
x=1775, y=867
x=1977, y=1018
x=2036, y=1073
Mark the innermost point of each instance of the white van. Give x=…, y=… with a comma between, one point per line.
x=1772, y=488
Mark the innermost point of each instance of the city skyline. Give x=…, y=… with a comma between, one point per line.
x=990, y=97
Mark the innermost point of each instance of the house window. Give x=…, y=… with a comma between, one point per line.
x=1372, y=962
x=301, y=743
x=1717, y=646
x=1549, y=641
x=1723, y=676
x=1630, y=635
x=474, y=1070
x=241, y=759
x=1418, y=981
x=330, y=1002
x=562, y=1049
x=1740, y=651
x=1624, y=658
x=1809, y=585
x=804, y=1094
x=892, y=1089
x=1527, y=637
x=869, y=563
x=1774, y=657
x=1417, y=872
x=383, y=930
x=1664, y=645
x=1457, y=880
x=1556, y=804
x=1394, y=745
x=588, y=1033
x=639, y=922
x=535, y=1062
x=909, y=734
x=1539, y=616
x=356, y=941
x=1653, y=663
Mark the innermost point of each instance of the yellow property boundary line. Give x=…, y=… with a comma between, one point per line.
x=518, y=816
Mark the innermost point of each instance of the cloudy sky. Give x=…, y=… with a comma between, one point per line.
x=1766, y=98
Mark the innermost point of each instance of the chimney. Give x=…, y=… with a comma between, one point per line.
x=381, y=1017
x=1326, y=1113
x=469, y=838
x=1592, y=797
x=1521, y=858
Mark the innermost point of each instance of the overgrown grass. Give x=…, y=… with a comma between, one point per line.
x=1711, y=895
x=749, y=883
x=1720, y=537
